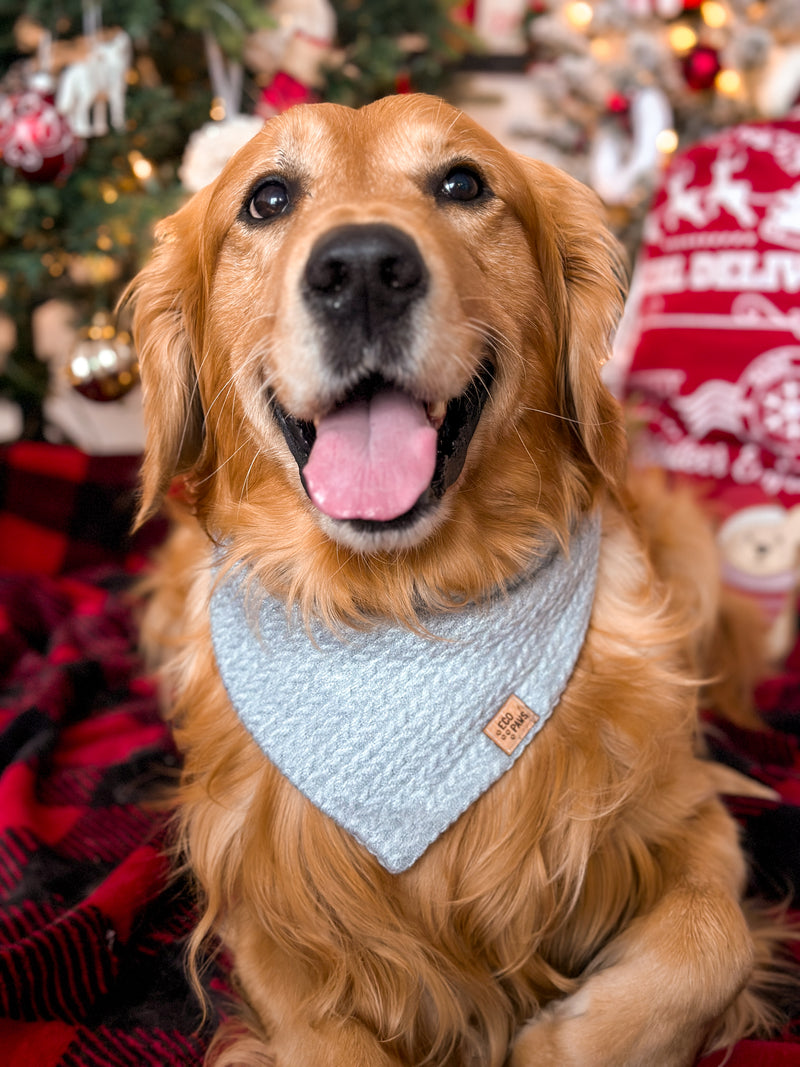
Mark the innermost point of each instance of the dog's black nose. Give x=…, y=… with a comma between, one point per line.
x=364, y=275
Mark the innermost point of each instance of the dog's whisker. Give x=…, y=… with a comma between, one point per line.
x=194, y=393
x=243, y=493
x=534, y=464
x=484, y=330
x=230, y=395
x=223, y=464
x=566, y=418
x=226, y=388
x=256, y=365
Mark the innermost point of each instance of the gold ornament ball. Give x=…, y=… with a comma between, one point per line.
x=103, y=368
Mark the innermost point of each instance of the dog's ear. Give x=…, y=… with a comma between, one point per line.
x=168, y=300
x=584, y=272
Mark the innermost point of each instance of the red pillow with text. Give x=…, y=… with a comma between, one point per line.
x=710, y=346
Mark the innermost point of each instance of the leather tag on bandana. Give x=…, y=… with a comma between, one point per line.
x=512, y=723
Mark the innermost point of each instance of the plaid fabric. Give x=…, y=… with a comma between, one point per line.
x=91, y=927
x=61, y=510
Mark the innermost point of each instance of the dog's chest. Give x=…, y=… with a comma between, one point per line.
x=393, y=734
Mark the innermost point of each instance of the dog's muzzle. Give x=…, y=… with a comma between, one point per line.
x=380, y=456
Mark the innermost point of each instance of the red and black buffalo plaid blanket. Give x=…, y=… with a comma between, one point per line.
x=91, y=925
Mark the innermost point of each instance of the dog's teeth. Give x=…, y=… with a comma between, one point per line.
x=436, y=413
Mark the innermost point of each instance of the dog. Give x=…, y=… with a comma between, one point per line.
x=433, y=666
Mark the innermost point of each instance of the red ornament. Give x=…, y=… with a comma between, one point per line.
x=464, y=13
x=35, y=139
x=618, y=104
x=402, y=82
x=700, y=67
x=283, y=92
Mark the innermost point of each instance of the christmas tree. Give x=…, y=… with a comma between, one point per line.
x=608, y=90
x=82, y=183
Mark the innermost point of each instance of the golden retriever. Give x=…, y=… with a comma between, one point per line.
x=372, y=349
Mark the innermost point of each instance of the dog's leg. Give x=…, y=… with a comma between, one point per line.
x=293, y=1032
x=340, y=1043
x=652, y=996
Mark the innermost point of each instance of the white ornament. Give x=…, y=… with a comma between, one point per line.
x=314, y=19
x=98, y=429
x=226, y=76
x=779, y=88
x=11, y=421
x=210, y=148
x=94, y=88
x=666, y=9
x=618, y=162
x=499, y=25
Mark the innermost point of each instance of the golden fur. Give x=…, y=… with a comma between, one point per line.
x=586, y=910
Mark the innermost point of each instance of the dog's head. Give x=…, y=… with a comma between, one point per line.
x=379, y=329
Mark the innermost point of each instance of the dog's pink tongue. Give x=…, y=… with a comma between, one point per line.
x=372, y=459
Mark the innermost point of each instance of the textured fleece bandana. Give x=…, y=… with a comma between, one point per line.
x=393, y=734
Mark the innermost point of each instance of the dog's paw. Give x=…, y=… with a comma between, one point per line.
x=546, y=1040
x=576, y=1032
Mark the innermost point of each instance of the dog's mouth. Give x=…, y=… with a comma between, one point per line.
x=381, y=457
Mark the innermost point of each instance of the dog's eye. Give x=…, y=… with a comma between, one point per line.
x=461, y=184
x=268, y=201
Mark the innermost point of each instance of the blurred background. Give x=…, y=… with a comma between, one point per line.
x=111, y=115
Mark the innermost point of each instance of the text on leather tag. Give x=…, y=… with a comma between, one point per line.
x=511, y=724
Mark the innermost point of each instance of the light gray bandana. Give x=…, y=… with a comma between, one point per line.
x=394, y=735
